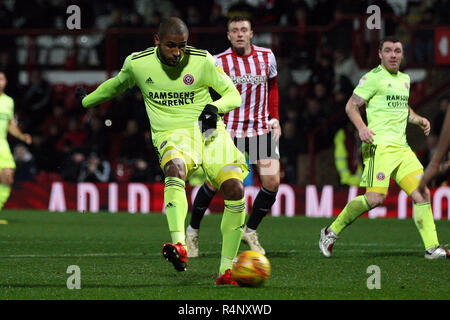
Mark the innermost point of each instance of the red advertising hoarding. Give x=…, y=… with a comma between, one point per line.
x=442, y=46
x=311, y=200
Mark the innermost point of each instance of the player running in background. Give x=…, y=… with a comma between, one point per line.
x=385, y=150
x=442, y=148
x=255, y=127
x=186, y=131
x=7, y=125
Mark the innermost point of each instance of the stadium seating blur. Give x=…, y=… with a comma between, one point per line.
x=304, y=36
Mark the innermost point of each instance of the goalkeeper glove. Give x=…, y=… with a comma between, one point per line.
x=208, y=119
x=80, y=93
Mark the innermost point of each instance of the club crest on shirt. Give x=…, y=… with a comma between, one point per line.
x=380, y=176
x=188, y=79
x=361, y=81
x=406, y=85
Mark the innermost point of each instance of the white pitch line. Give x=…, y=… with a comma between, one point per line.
x=122, y=254
x=70, y=255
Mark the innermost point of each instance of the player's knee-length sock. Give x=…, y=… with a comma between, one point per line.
x=201, y=203
x=262, y=204
x=5, y=191
x=356, y=207
x=232, y=227
x=176, y=205
x=423, y=218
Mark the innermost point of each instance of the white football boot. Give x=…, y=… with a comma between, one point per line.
x=326, y=241
x=251, y=238
x=438, y=252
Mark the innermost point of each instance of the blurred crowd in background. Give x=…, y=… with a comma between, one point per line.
x=113, y=142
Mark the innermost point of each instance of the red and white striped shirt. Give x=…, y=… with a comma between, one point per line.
x=255, y=78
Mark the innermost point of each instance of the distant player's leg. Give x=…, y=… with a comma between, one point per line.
x=176, y=205
x=376, y=190
x=422, y=211
x=353, y=210
x=6, y=181
x=7, y=167
x=269, y=173
x=201, y=203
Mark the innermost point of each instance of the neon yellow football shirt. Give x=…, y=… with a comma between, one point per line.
x=387, y=108
x=6, y=114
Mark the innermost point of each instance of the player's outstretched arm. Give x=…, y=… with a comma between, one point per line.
x=15, y=131
x=108, y=90
x=442, y=148
x=422, y=122
x=352, y=108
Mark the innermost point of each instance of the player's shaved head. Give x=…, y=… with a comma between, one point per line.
x=172, y=25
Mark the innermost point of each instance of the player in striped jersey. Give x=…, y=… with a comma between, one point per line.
x=255, y=127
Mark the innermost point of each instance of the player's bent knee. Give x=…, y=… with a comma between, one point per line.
x=272, y=183
x=419, y=197
x=375, y=199
x=175, y=168
x=232, y=189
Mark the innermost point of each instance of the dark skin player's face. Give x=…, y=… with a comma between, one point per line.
x=171, y=48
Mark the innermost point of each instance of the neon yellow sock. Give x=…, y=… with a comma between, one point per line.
x=5, y=191
x=423, y=218
x=232, y=227
x=355, y=208
x=176, y=208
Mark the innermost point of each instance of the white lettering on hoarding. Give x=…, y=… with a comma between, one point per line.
x=87, y=192
x=57, y=200
x=286, y=191
x=316, y=209
x=135, y=190
x=439, y=195
x=113, y=197
x=402, y=205
x=378, y=212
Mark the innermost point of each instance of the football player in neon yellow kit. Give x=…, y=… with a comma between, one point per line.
x=186, y=131
x=7, y=125
x=386, y=153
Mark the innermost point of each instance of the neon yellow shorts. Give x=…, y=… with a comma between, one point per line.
x=218, y=156
x=381, y=162
x=6, y=158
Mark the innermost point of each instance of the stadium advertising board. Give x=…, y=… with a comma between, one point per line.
x=311, y=200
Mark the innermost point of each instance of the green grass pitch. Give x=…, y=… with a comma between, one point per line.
x=119, y=256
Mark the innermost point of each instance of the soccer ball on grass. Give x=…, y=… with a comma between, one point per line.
x=251, y=269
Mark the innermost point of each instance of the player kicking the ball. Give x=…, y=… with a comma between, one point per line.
x=386, y=153
x=187, y=132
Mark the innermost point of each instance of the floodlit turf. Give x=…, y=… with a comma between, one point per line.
x=119, y=256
